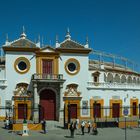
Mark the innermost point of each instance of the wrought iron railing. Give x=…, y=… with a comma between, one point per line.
x=47, y=76
x=113, y=85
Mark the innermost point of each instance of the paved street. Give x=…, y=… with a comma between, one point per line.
x=62, y=134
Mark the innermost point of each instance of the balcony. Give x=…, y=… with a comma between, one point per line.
x=48, y=77
x=3, y=83
x=113, y=86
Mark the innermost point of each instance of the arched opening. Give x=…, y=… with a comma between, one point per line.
x=47, y=105
x=129, y=80
x=134, y=80
x=138, y=81
x=117, y=78
x=123, y=79
x=110, y=78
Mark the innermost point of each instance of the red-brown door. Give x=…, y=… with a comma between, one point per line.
x=97, y=110
x=73, y=111
x=115, y=110
x=134, y=108
x=48, y=105
x=22, y=111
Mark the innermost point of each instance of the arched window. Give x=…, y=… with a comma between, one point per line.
x=129, y=80
x=138, y=81
x=117, y=78
x=110, y=78
x=96, y=76
x=134, y=80
x=123, y=79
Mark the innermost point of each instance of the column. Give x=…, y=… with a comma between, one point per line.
x=61, y=111
x=36, y=103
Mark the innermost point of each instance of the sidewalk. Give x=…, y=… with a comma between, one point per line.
x=64, y=134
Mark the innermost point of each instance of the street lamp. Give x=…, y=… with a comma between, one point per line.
x=24, y=121
x=69, y=113
x=95, y=112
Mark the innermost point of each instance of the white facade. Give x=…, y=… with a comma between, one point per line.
x=67, y=73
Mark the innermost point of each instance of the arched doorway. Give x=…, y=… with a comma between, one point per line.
x=47, y=105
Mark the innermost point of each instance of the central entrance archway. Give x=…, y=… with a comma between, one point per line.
x=47, y=105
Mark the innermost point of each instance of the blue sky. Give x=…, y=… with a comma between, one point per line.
x=112, y=26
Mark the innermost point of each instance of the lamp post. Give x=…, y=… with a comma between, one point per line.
x=69, y=113
x=24, y=121
x=95, y=112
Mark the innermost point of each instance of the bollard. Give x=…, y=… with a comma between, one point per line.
x=25, y=129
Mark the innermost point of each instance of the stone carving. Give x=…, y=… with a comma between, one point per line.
x=71, y=90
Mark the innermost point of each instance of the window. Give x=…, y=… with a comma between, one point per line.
x=47, y=65
x=95, y=79
x=72, y=66
x=22, y=65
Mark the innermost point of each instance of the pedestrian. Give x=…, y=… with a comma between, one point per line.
x=94, y=130
x=77, y=124
x=44, y=126
x=89, y=126
x=72, y=128
x=82, y=127
x=7, y=123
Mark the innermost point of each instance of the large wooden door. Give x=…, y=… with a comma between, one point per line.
x=97, y=110
x=22, y=111
x=115, y=110
x=48, y=105
x=73, y=111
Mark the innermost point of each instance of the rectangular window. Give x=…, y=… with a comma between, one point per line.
x=47, y=65
x=95, y=79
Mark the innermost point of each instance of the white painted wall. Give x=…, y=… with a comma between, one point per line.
x=12, y=76
x=80, y=78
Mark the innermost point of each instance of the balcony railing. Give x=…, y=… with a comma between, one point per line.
x=47, y=77
x=114, y=85
x=3, y=83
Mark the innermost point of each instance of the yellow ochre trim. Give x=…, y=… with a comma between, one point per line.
x=72, y=102
x=39, y=64
x=132, y=100
x=72, y=60
x=17, y=62
x=92, y=101
x=28, y=102
x=119, y=101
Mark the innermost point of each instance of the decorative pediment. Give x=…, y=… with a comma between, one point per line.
x=71, y=44
x=23, y=43
x=96, y=73
x=47, y=49
x=71, y=90
x=21, y=90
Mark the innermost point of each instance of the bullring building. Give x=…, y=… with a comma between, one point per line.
x=40, y=82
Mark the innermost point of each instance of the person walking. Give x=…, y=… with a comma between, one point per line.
x=83, y=127
x=94, y=130
x=89, y=126
x=44, y=126
x=72, y=128
x=7, y=123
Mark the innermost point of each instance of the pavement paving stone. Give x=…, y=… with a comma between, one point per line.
x=64, y=134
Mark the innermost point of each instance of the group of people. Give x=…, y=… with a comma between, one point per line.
x=75, y=125
x=8, y=123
